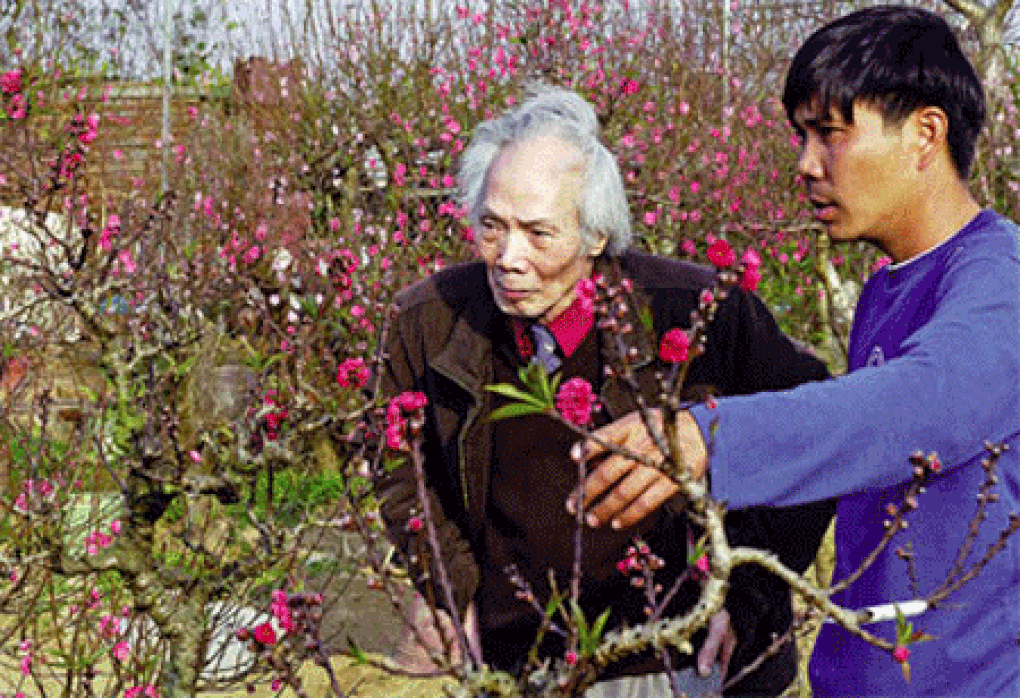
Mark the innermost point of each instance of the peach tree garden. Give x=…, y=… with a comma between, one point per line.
x=188, y=433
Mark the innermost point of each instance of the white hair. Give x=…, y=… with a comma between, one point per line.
x=564, y=114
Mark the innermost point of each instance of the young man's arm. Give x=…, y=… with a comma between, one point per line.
x=954, y=387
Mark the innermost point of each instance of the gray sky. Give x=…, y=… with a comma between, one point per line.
x=275, y=28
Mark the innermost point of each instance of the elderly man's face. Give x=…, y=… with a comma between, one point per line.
x=530, y=237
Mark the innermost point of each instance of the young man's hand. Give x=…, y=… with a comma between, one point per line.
x=631, y=491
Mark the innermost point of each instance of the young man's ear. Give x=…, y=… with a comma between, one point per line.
x=932, y=130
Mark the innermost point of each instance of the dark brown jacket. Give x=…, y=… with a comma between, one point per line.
x=440, y=344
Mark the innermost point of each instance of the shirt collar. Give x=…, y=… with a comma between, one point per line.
x=569, y=328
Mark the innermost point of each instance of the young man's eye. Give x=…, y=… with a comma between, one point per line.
x=827, y=132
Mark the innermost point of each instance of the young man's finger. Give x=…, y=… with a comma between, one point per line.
x=641, y=492
x=600, y=481
x=657, y=494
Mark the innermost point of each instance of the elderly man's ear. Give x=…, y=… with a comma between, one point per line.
x=601, y=241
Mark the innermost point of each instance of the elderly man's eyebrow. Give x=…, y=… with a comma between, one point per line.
x=537, y=223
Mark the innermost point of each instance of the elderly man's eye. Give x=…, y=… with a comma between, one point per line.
x=491, y=230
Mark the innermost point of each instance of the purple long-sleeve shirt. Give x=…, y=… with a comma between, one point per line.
x=934, y=366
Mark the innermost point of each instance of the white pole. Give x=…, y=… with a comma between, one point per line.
x=167, y=78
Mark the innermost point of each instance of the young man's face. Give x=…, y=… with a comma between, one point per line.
x=530, y=237
x=861, y=177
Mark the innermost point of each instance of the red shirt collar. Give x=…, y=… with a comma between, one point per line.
x=569, y=328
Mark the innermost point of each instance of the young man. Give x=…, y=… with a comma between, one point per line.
x=548, y=208
x=888, y=109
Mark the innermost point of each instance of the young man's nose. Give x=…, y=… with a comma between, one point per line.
x=809, y=162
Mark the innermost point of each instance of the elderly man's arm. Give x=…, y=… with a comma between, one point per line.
x=402, y=370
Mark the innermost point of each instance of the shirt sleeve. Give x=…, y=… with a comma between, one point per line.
x=953, y=386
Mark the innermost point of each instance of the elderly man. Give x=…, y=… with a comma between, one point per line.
x=548, y=208
x=888, y=109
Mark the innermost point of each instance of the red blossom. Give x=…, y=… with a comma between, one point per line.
x=571, y=658
x=750, y=279
x=673, y=347
x=721, y=254
x=901, y=654
x=410, y=400
x=353, y=373
x=586, y=294
x=396, y=423
x=576, y=401
x=265, y=634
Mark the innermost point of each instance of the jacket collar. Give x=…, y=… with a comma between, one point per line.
x=467, y=358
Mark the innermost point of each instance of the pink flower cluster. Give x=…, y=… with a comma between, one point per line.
x=85, y=128
x=33, y=493
x=146, y=691
x=353, y=373
x=752, y=276
x=721, y=254
x=28, y=657
x=109, y=626
x=111, y=229
x=576, y=402
x=586, y=294
x=397, y=424
x=274, y=418
x=10, y=82
x=97, y=540
x=639, y=563
x=121, y=651
x=280, y=609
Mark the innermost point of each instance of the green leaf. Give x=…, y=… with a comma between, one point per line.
x=515, y=393
x=356, y=653
x=272, y=360
x=580, y=622
x=553, y=605
x=516, y=410
x=645, y=317
x=596, y=630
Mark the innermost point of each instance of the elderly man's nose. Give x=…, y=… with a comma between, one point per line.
x=513, y=253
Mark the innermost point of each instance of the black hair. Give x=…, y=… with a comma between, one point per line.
x=896, y=59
